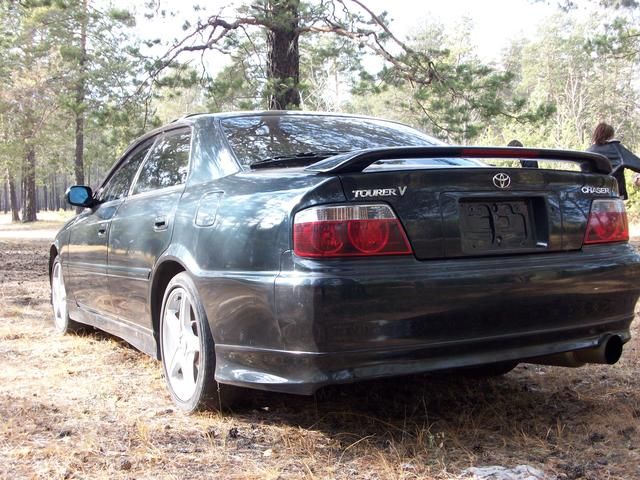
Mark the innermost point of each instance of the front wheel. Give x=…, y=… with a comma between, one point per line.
x=187, y=350
x=63, y=324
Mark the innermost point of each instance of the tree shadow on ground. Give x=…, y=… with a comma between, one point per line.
x=533, y=415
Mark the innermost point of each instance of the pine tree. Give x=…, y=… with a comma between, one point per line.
x=464, y=92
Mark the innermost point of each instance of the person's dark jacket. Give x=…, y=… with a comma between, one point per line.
x=620, y=158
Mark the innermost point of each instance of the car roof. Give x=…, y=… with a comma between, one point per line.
x=192, y=118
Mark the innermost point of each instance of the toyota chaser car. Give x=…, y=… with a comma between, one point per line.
x=286, y=251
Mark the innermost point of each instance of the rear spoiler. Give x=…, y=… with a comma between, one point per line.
x=354, y=162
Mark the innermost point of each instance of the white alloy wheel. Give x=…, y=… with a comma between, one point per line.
x=181, y=343
x=59, y=298
x=188, y=352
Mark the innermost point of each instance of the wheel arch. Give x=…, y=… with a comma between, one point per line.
x=162, y=275
x=53, y=253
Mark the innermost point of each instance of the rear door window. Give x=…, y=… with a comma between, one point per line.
x=120, y=182
x=167, y=164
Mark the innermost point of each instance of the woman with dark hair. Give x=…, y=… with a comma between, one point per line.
x=524, y=163
x=619, y=156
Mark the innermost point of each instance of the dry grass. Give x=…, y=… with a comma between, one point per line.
x=90, y=406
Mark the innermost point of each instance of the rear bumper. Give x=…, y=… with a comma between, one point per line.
x=344, y=321
x=305, y=372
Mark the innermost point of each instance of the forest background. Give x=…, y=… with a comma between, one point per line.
x=79, y=82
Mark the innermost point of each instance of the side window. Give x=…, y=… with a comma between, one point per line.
x=167, y=164
x=120, y=182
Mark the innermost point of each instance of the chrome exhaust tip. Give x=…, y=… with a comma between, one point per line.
x=607, y=352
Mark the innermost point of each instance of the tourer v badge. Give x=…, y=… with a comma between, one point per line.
x=380, y=192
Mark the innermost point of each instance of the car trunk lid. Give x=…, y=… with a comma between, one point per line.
x=475, y=209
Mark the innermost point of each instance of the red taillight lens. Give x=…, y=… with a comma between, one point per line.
x=607, y=222
x=348, y=231
x=370, y=236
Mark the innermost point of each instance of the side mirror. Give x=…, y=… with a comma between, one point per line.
x=80, y=196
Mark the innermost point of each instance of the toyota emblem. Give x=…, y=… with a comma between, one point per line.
x=501, y=180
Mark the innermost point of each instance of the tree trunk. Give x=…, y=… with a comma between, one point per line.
x=79, y=157
x=13, y=198
x=23, y=187
x=5, y=205
x=45, y=197
x=283, y=57
x=65, y=185
x=80, y=97
x=55, y=204
x=29, y=182
x=79, y=102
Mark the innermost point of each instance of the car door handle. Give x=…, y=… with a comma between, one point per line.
x=102, y=230
x=160, y=223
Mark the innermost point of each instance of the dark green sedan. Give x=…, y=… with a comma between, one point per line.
x=287, y=251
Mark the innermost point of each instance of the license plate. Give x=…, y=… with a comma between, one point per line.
x=496, y=225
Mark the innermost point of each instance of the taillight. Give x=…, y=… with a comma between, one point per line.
x=348, y=231
x=607, y=222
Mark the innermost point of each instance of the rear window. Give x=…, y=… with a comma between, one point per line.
x=262, y=137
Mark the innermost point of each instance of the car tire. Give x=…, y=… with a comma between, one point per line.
x=61, y=321
x=188, y=352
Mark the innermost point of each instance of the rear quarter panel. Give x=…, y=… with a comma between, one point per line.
x=236, y=260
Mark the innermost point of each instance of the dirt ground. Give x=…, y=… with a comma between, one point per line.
x=90, y=406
